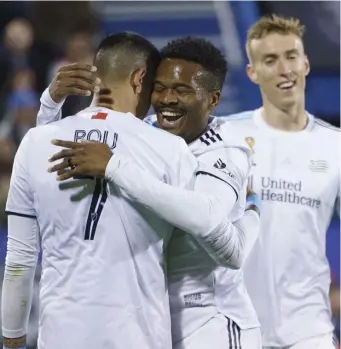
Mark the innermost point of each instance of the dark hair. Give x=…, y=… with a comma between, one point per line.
x=200, y=51
x=126, y=52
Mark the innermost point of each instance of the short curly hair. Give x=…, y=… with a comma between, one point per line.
x=200, y=51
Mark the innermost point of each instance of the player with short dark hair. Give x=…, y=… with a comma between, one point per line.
x=193, y=91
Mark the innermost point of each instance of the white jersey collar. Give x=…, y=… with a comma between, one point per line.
x=95, y=109
x=261, y=123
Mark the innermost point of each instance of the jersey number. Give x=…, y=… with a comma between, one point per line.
x=99, y=198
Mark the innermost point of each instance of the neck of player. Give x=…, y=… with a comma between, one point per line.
x=291, y=119
x=117, y=99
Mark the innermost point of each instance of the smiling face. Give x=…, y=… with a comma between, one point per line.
x=279, y=66
x=180, y=100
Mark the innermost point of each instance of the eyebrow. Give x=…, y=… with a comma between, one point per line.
x=175, y=84
x=274, y=55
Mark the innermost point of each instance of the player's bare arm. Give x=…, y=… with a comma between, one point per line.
x=77, y=79
x=14, y=343
x=85, y=158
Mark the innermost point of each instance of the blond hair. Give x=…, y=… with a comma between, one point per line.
x=273, y=24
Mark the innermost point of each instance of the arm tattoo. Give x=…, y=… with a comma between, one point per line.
x=14, y=343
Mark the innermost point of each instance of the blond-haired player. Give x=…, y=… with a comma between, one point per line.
x=297, y=173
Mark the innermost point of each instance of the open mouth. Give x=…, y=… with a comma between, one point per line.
x=170, y=118
x=286, y=85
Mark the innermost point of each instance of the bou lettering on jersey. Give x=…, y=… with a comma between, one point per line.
x=97, y=135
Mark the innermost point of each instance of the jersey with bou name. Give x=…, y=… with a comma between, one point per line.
x=103, y=281
x=297, y=176
x=198, y=288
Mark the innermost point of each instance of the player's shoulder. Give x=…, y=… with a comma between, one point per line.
x=231, y=132
x=45, y=131
x=242, y=118
x=323, y=134
x=325, y=126
x=220, y=134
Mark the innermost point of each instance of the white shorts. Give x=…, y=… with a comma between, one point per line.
x=221, y=333
x=325, y=341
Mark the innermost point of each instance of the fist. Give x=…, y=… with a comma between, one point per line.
x=77, y=79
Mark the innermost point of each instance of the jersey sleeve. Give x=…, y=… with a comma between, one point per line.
x=49, y=110
x=21, y=260
x=228, y=164
x=20, y=196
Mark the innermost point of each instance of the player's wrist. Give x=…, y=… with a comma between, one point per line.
x=14, y=343
x=51, y=98
x=254, y=203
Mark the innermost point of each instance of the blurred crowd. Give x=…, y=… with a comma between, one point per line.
x=33, y=46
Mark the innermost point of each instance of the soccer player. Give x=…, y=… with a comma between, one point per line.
x=103, y=282
x=209, y=305
x=297, y=174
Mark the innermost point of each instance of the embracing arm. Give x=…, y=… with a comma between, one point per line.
x=201, y=211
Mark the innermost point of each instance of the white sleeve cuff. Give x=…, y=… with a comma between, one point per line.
x=47, y=100
x=49, y=111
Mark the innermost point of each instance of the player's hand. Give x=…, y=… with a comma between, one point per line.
x=78, y=79
x=87, y=158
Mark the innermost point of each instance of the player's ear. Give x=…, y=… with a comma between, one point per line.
x=307, y=65
x=137, y=80
x=214, y=99
x=251, y=73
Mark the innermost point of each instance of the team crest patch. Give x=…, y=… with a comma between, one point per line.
x=318, y=165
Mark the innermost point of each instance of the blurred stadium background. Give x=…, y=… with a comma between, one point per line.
x=38, y=37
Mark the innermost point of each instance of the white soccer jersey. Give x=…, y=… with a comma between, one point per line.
x=198, y=288
x=103, y=282
x=297, y=176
